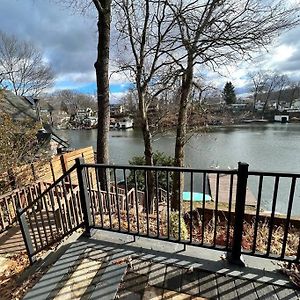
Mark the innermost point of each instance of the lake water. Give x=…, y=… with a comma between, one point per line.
x=266, y=147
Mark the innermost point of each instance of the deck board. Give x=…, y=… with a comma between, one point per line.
x=285, y=293
x=224, y=188
x=265, y=291
x=245, y=289
x=190, y=283
x=226, y=288
x=157, y=275
x=148, y=276
x=208, y=285
x=107, y=287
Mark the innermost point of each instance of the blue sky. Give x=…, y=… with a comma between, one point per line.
x=69, y=40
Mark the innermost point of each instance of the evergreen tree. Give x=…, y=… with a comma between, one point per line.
x=229, y=93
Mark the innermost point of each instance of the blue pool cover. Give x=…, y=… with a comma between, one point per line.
x=196, y=197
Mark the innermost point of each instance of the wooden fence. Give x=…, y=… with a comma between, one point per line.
x=36, y=178
x=47, y=171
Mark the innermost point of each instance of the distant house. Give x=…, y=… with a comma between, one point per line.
x=238, y=106
x=26, y=108
x=296, y=104
x=19, y=108
x=116, y=109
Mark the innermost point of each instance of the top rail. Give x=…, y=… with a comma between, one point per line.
x=159, y=168
x=184, y=169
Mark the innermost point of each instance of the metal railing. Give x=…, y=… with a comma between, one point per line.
x=55, y=213
x=20, y=197
x=218, y=209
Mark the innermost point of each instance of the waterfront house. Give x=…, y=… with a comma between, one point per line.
x=27, y=108
x=116, y=109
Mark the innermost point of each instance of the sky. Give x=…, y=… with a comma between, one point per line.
x=68, y=41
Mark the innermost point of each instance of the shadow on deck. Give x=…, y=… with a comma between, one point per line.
x=110, y=266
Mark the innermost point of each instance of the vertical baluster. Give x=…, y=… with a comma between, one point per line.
x=37, y=226
x=108, y=202
x=146, y=202
x=272, y=215
x=179, y=209
x=73, y=202
x=229, y=211
x=191, y=206
x=66, y=206
x=126, y=198
x=35, y=217
x=168, y=205
x=60, y=210
x=99, y=197
x=92, y=196
x=14, y=206
x=157, y=203
x=117, y=197
x=48, y=217
x=298, y=254
x=8, y=211
x=257, y=212
x=216, y=208
x=288, y=217
x=52, y=171
x=136, y=201
x=203, y=207
x=51, y=196
x=26, y=234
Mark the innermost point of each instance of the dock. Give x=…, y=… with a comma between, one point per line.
x=224, y=189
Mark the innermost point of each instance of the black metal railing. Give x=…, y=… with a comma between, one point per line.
x=218, y=209
x=20, y=197
x=53, y=214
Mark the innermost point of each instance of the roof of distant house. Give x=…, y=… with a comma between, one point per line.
x=17, y=107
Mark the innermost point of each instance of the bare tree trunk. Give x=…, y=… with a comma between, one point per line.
x=148, y=151
x=178, y=181
x=102, y=69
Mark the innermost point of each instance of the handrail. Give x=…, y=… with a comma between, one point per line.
x=273, y=174
x=184, y=169
x=49, y=188
x=20, y=189
x=159, y=168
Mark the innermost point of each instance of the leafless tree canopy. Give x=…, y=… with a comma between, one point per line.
x=22, y=68
x=219, y=31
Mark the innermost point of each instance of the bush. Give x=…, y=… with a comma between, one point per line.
x=174, y=226
x=159, y=159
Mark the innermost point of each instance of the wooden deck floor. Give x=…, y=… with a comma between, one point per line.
x=96, y=269
x=224, y=188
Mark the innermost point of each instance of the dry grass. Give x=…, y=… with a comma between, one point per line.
x=212, y=235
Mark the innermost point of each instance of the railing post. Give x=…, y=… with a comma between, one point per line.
x=84, y=195
x=235, y=256
x=26, y=235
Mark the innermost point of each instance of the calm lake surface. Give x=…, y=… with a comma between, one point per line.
x=266, y=147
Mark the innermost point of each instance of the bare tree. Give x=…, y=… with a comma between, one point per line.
x=71, y=101
x=259, y=81
x=294, y=92
x=22, y=68
x=271, y=84
x=217, y=32
x=103, y=12
x=283, y=82
x=144, y=26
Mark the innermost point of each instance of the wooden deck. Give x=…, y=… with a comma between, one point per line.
x=94, y=269
x=224, y=188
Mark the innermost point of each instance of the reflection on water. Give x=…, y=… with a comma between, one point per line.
x=266, y=147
